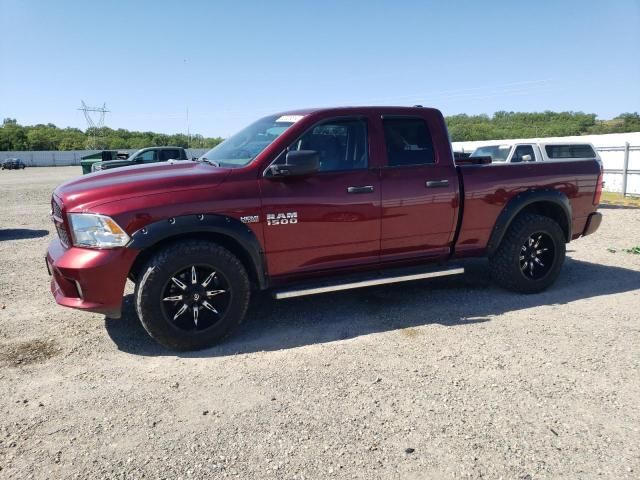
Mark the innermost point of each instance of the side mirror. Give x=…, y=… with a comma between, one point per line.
x=526, y=158
x=298, y=163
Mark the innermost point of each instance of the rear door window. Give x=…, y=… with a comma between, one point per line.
x=408, y=142
x=169, y=154
x=570, y=151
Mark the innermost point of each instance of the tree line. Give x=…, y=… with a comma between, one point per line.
x=500, y=125
x=14, y=136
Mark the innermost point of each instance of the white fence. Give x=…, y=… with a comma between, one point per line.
x=621, y=169
x=55, y=158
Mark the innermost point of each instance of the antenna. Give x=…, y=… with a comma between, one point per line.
x=91, y=123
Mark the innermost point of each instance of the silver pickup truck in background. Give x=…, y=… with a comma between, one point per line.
x=537, y=152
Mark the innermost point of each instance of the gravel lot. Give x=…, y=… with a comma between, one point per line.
x=435, y=379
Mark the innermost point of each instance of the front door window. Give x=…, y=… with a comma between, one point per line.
x=342, y=144
x=147, y=157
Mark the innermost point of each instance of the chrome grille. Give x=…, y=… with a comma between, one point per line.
x=57, y=215
x=56, y=210
x=62, y=234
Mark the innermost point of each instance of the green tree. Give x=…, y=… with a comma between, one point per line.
x=40, y=139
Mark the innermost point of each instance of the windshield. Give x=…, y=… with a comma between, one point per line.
x=247, y=144
x=498, y=153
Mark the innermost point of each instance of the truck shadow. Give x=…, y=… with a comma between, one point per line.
x=21, y=233
x=452, y=302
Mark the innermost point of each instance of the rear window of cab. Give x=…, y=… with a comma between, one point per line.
x=570, y=151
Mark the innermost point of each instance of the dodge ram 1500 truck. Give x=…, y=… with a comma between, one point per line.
x=306, y=202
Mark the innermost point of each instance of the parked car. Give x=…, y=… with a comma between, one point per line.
x=87, y=161
x=307, y=202
x=145, y=155
x=13, y=164
x=537, y=152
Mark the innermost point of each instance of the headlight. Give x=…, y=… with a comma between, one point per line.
x=97, y=231
x=96, y=167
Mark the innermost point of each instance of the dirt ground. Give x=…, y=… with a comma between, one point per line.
x=449, y=378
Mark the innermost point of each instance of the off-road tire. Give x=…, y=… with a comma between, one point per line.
x=158, y=271
x=505, y=263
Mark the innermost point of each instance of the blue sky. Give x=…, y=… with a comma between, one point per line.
x=232, y=61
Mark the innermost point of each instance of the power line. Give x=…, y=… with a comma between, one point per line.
x=92, y=124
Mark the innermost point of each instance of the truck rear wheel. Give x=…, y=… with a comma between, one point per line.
x=191, y=295
x=530, y=255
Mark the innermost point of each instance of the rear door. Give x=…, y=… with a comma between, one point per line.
x=330, y=219
x=419, y=191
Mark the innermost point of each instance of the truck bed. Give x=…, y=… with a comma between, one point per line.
x=483, y=202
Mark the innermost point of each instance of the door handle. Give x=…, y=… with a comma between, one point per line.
x=437, y=183
x=365, y=189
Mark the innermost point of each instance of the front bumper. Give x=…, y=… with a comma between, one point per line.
x=593, y=223
x=89, y=279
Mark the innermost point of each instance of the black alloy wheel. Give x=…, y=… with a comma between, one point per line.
x=196, y=298
x=536, y=255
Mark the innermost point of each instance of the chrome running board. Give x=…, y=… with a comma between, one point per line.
x=376, y=280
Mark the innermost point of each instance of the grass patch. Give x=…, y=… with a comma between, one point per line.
x=618, y=199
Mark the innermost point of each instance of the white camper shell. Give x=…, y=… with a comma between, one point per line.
x=537, y=152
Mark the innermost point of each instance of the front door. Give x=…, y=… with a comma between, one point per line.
x=419, y=194
x=330, y=219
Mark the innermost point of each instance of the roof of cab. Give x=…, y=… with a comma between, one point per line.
x=349, y=109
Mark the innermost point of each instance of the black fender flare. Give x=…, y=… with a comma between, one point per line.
x=156, y=232
x=521, y=201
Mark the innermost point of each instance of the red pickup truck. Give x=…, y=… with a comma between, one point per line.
x=307, y=202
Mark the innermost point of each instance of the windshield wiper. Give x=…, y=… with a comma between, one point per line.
x=210, y=162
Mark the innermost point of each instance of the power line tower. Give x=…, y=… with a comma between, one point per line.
x=93, y=126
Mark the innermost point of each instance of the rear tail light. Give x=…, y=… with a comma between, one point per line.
x=598, y=192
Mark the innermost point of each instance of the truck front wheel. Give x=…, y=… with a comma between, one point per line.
x=191, y=295
x=530, y=255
